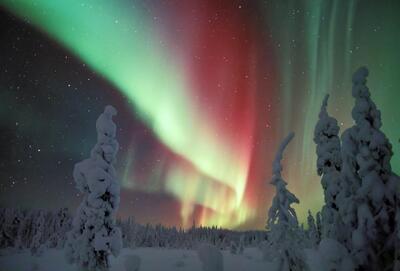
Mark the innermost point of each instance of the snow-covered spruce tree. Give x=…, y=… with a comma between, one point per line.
x=241, y=244
x=329, y=164
x=24, y=231
x=282, y=224
x=318, y=223
x=94, y=234
x=10, y=220
x=38, y=233
x=59, y=224
x=396, y=265
x=233, y=247
x=312, y=231
x=372, y=187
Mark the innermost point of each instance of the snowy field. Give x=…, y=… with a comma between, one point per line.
x=152, y=259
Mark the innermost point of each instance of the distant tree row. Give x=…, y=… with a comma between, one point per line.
x=38, y=229
x=33, y=229
x=137, y=235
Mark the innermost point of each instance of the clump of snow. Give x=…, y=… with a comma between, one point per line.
x=132, y=262
x=211, y=258
x=330, y=255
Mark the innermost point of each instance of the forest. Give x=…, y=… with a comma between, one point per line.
x=357, y=228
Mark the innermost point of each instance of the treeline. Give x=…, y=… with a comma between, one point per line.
x=36, y=230
x=137, y=235
x=33, y=229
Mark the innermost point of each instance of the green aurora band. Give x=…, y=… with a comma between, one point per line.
x=121, y=45
x=317, y=44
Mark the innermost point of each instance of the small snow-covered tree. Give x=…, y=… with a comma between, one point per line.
x=25, y=228
x=10, y=220
x=282, y=223
x=329, y=164
x=129, y=232
x=39, y=228
x=94, y=234
x=241, y=244
x=59, y=224
x=312, y=231
x=372, y=190
x=233, y=247
x=318, y=223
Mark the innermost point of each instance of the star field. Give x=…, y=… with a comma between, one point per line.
x=205, y=91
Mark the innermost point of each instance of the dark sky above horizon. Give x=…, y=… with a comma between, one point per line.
x=205, y=91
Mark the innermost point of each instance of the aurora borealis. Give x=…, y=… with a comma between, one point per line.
x=207, y=89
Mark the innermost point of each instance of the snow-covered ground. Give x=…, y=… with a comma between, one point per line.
x=152, y=259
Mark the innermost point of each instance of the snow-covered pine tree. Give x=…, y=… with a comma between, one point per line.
x=24, y=231
x=318, y=223
x=94, y=234
x=38, y=233
x=11, y=219
x=329, y=164
x=312, y=231
x=282, y=221
x=372, y=186
x=241, y=244
x=59, y=224
x=3, y=222
x=30, y=229
x=64, y=221
x=233, y=247
x=396, y=265
x=129, y=232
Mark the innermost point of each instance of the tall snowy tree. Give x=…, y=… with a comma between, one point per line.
x=282, y=220
x=372, y=186
x=329, y=164
x=94, y=234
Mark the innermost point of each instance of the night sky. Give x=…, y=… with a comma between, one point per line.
x=205, y=91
